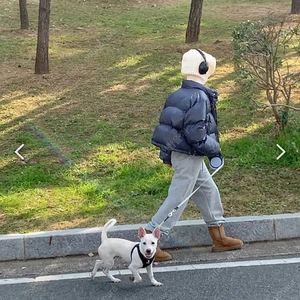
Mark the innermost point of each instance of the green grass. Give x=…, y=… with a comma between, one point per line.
x=87, y=126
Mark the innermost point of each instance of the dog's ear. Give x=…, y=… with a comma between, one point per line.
x=142, y=232
x=156, y=232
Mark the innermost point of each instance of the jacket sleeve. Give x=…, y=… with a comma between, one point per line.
x=197, y=130
x=165, y=157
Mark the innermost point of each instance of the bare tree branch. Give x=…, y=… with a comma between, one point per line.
x=264, y=106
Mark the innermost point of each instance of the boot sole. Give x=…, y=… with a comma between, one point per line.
x=226, y=249
x=162, y=259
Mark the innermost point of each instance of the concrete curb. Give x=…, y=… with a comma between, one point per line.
x=184, y=234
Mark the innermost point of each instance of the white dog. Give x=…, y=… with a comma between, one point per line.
x=139, y=255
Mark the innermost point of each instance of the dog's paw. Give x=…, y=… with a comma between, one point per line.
x=93, y=276
x=116, y=280
x=156, y=283
x=137, y=280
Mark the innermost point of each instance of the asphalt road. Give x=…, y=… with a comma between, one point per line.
x=259, y=271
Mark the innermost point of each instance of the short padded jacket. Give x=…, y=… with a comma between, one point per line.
x=188, y=122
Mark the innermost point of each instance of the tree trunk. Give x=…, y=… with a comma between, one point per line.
x=193, y=28
x=42, y=60
x=272, y=98
x=23, y=14
x=295, y=7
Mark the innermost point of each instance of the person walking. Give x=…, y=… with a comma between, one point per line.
x=187, y=132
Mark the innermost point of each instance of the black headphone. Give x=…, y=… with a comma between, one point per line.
x=203, y=67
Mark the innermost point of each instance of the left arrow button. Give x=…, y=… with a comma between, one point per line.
x=17, y=152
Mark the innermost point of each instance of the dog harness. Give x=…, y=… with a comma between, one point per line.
x=146, y=262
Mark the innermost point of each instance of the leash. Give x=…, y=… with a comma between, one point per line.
x=189, y=196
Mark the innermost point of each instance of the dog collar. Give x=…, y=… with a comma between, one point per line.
x=146, y=262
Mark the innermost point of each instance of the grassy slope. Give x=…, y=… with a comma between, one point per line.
x=87, y=126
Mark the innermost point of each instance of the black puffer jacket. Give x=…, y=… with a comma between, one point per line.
x=188, y=122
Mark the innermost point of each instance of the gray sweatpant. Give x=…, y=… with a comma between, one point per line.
x=189, y=172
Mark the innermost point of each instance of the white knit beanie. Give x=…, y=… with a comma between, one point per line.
x=191, y=61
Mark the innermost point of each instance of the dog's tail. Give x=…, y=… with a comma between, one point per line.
x=109, y=224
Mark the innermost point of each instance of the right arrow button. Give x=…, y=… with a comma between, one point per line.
x=283, y=151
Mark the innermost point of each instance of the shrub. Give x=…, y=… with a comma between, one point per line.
x=263, y=55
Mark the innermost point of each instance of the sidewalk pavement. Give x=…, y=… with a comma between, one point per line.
x=191, y=233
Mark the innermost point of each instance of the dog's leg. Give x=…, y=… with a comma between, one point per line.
x=98, y=264
x=107, y=266
x=151, y=276
x=135, y=272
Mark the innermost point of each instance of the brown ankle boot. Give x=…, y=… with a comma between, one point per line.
x=160, y=255
x=221, y=242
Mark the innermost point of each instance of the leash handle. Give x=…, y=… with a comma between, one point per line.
x=170, y=214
